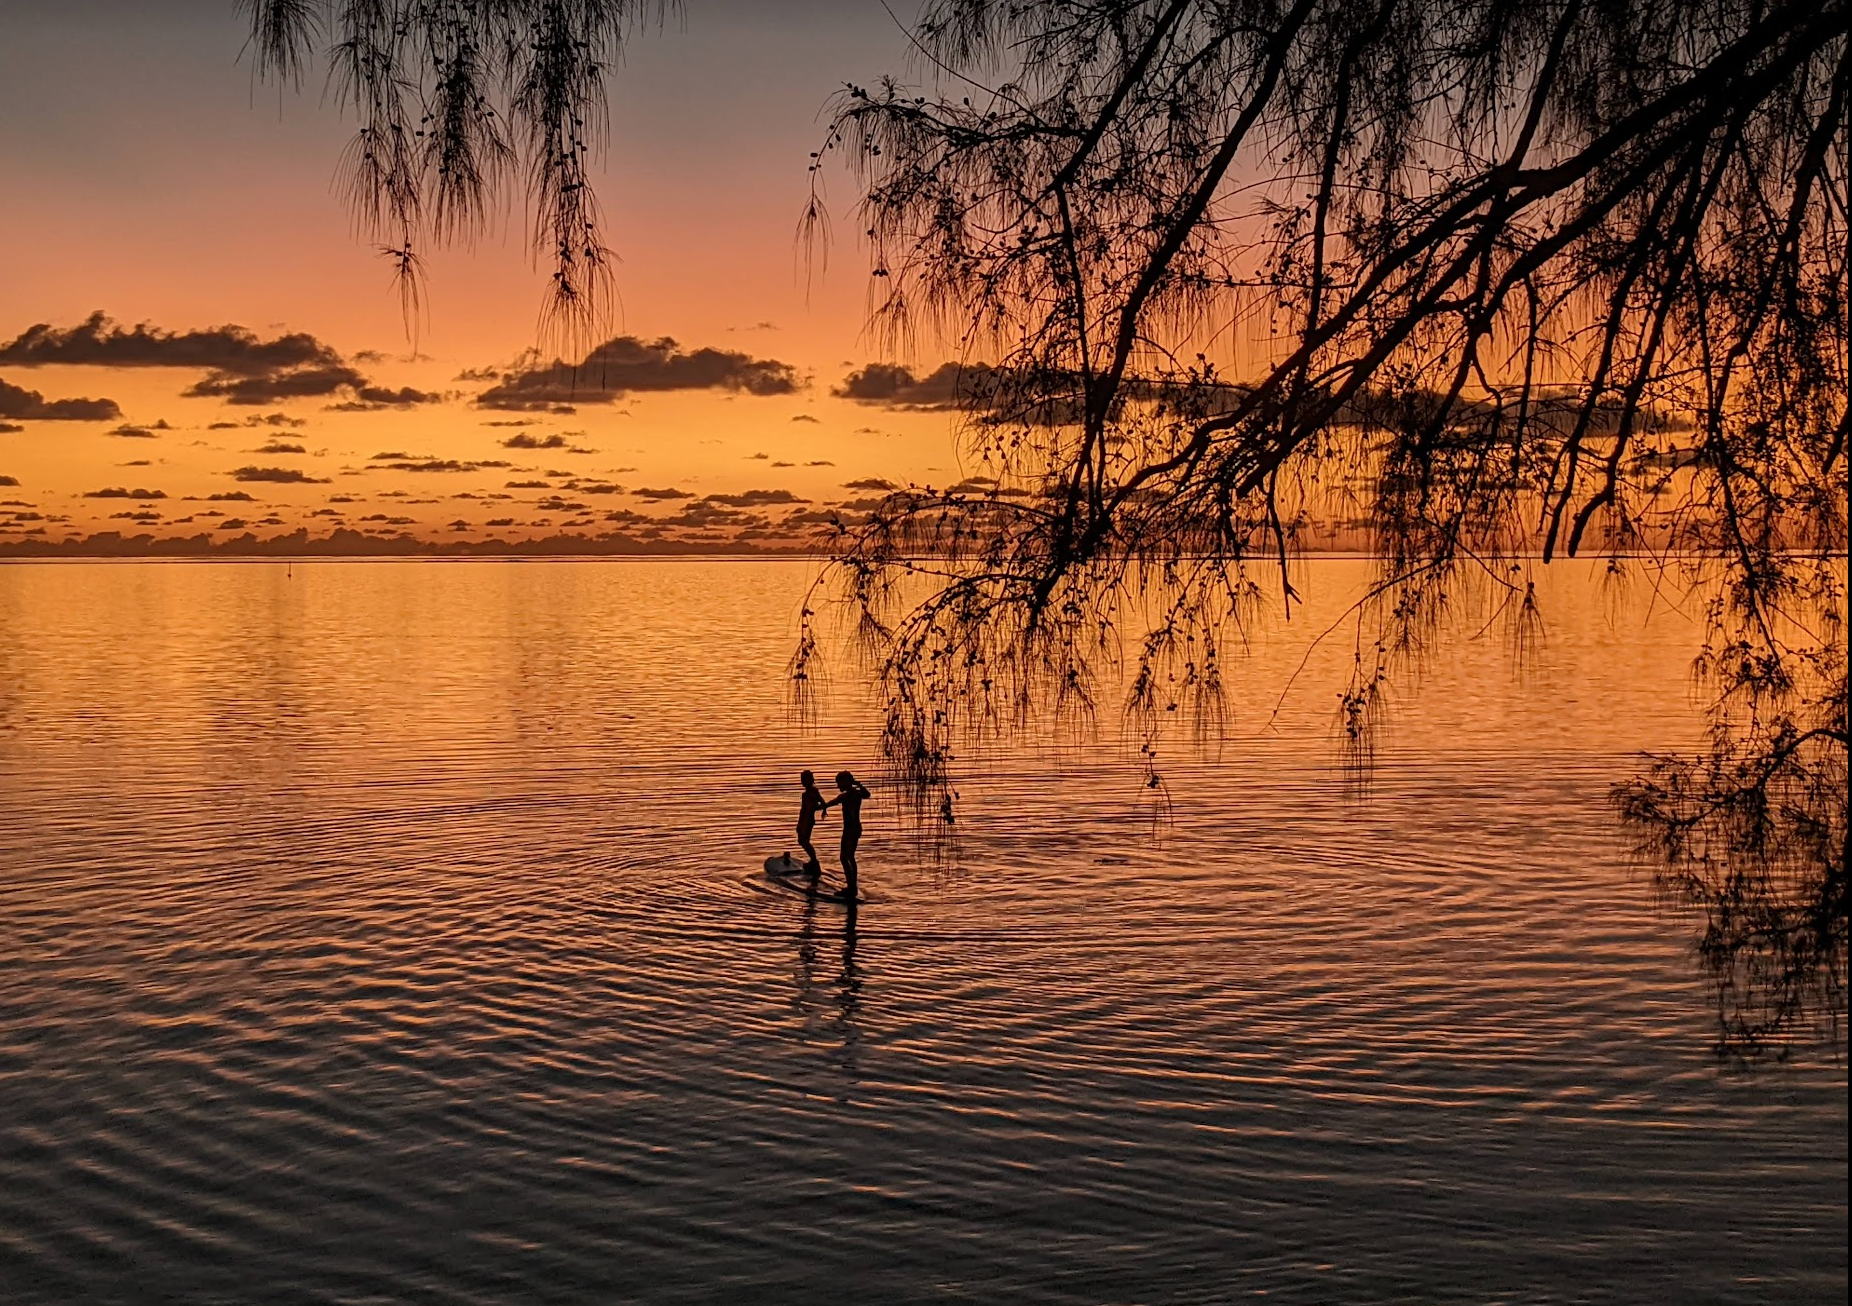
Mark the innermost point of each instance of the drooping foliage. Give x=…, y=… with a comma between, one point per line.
x=456, y=102
x=1470, y=284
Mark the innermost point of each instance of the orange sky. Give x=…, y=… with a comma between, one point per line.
x=150, y=180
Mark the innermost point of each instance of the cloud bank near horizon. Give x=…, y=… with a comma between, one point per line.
x=627, y=365
x=240, y=366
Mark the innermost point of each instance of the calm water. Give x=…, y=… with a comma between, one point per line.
x=380, y=932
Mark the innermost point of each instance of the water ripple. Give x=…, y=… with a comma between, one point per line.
x=395, y=943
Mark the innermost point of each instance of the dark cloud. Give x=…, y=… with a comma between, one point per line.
x=819, y=462
x=526, y=441
x=10, y=428
x=947, y=386
x=662, y=494
x=985, y=485
x=705, y=514
x=629, y=365
x=373, y=398
x=404, y=464
x=279, y=446
x=754, y=498
x=277, y=476
x=806, y=417
x=298, y=383
x=870, y=483
x=227, y=350
x=117, y=492
x=230, y=496
x=526, y=485
x=240, y=366
x=514, y=421
x=30, y=405
x=9, y=480
x=127, y=432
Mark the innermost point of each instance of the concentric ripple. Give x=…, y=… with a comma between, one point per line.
x=383, y=932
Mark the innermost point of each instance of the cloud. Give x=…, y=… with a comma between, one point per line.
x=128, y=432
x=9, y=480
x=806, y=417
x=230, y=496
x=947, y=386
x=754, y=498
x=819, y=462
x=629, y=365
x=403, y=463
x=526, y=485
x=100, y=342
x=277, y=476
x=373, y=398
x=662, y=494
x=10, y=428
x=298, y=383
x=279, y=446
x=117, y=492
x=526, y=441
x=870, y=483
x=30, y=405
x=240, y=366
x=705, y=514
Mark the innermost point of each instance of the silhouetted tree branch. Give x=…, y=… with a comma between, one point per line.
x=457, y=100
x=1490, y=281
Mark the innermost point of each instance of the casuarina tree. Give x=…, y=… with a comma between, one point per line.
x=1473, y=285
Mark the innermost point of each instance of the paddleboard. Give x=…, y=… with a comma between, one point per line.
x=785, y=874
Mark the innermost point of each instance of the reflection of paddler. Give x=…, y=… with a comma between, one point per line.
x=850, y=799
x=812, y=806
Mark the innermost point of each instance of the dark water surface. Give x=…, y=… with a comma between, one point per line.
x=380, y=932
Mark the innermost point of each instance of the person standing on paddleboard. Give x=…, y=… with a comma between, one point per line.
x=812, y=806
x=850, y=799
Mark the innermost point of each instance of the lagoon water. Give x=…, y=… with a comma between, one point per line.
x=381, y=932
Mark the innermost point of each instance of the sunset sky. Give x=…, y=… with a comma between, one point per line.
x=252, y=369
